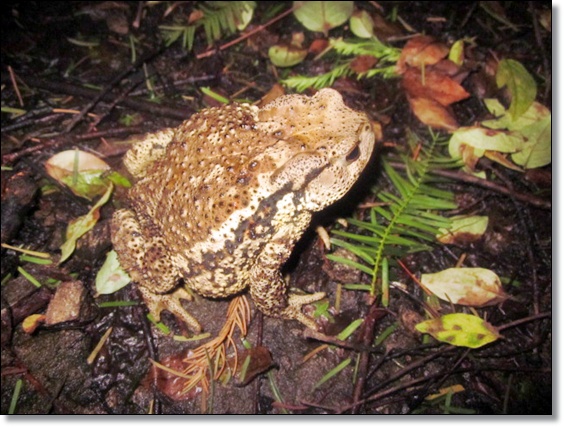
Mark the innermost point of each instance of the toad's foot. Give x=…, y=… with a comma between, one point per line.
x=294, y=308
x=171, y=302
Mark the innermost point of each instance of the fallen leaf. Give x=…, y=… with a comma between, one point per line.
x=534, y=125
x=475, y=287
x=32, y=322
x=82, y=172
x=251, y=363
x=456, y=52
x=464, y=229
x=502, y=159
x=433, y=85
x=286, y=55
x=111, y=277
x=81, y=225
x=362, y=24
x=433, y=114
x=385, y=30
x=420, y=51
x=275, y=91
x=519, y=82
x=322, y=15
x=318, y=45
x=363, y=63
x=482, y=139
x=460, y=329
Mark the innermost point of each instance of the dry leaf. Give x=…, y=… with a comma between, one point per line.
x=32, y=322
x=421, y=51
x=363, y=63
x=476, y=287
x=433, y=114
x=433, y=85
x=275, y=91
x=318, y=45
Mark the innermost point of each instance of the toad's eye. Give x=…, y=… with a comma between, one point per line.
x=353, y=155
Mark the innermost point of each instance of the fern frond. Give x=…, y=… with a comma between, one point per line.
x=301, y=83
x=406, y=220
x=387, y=58
x=372, y=47
x=219, y=18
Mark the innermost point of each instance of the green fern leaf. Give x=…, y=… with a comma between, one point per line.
x=406, y=221
x=219, y=18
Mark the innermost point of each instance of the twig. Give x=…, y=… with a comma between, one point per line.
x=367, y=337
x=15, y=85
x=110, y=86
x=55, y=143
x=524, y=320
x=179, y=113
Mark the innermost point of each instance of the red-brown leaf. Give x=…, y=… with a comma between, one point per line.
x=434, y=85
x=420, y=51
x=431, y=113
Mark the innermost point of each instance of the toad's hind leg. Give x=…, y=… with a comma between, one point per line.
x=146, y=260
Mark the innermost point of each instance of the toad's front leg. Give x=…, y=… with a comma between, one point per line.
x=146, y=260
x=270, y=292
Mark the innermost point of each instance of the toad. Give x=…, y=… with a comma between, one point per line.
x=222, y=199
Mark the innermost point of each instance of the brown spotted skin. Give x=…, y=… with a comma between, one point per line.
x=222, y=199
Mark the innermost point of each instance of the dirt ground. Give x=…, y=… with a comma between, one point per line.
x=70, y=68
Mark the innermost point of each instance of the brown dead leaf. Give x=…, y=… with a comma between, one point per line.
x=431, y=113
x=257, y=360
x=434, y=85
x=384, y=29
x=421, y=51
x=363, y=63
x=317, y=46
x=469, y=156
x=502, y=159
x=275, y=91
x=168, y=383
x=195, y=16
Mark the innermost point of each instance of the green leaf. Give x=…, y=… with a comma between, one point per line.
x=286, y=55
x=456, y=53
x=81, y=225
x=468, y=228
x=333, y=372
x=520, y=84
x=475, y=287
x=534, y=127
x=460, y=329
x=111, y=277
x=362, y=24
x=15, y=397
x=348, y=331
x=485, y=139
x=538, y=148
x=322, y=15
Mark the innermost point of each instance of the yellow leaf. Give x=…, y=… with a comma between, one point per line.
x=460, y=329
x=30, y=323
